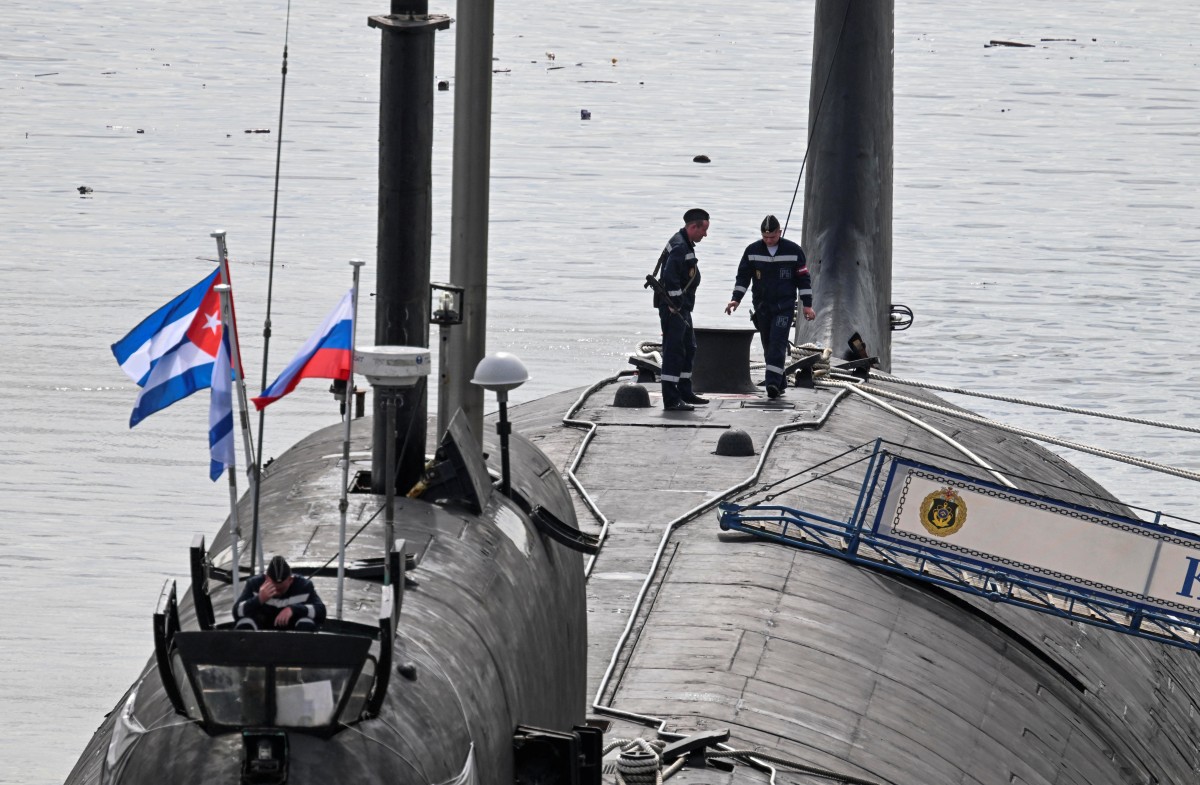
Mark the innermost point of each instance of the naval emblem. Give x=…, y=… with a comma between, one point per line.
x=943, y=512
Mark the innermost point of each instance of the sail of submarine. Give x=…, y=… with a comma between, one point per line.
x=464, y=609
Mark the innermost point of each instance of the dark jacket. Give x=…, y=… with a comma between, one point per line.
x=776, y=279
x=301, y=597
x=680, y=273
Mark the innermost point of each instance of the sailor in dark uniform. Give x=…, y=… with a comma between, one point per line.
x=779, y=272
x=680, y=277
x=280, y=599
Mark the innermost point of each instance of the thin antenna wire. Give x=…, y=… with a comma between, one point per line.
x=262, y=414
x=808, y=145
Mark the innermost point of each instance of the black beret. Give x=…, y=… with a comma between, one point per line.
x=279, y=570
x=694, y=214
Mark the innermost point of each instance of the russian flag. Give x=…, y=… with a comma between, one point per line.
x=326, y=355
x=171, y=353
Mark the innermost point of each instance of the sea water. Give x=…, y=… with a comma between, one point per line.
x=1045, y=234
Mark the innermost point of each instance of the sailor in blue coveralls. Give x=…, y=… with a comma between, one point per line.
x=779, y=271
x=680, y=277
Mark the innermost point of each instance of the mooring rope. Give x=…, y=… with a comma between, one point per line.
x=1040, y=404
x=1132, y=460
x=640, y=763
x=788, y=763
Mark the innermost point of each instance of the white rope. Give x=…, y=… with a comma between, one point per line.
x=640, y=761
x=1040, y=404
x=760, y=757
x=1133, y=460
x=857, y=390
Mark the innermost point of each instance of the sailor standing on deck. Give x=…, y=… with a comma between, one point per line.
x=281, y=599
x=778, y=270
x=680, y=277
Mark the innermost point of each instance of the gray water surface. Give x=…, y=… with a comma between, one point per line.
x=1046, y=217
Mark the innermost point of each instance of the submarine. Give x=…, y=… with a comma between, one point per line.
x=781, y=594
x=456, y=653
x=734, y=625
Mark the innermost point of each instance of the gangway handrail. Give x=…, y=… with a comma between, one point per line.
x=858, y=541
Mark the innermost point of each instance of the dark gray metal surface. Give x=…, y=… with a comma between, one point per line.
x=405, y=212
x=848, y=184
x=470, y=194
x=496, y=629
x=723, y=360
x=837, y=666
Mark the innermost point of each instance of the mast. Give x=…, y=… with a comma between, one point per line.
x=848, y=188
x=405, y=220
x=469, y=209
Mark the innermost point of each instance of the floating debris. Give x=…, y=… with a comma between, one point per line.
x=584, y=114
x=549, y=55
x=994, y=42
x=84, y=189
x=141, y=131
x=614, y=61
x=252, y=131
x=701, y=159
x=52, y=73
x=444, y=85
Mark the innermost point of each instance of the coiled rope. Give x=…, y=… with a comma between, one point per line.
x=640, y=763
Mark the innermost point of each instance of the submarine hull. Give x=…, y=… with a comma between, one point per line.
x=492, y=635
x=848, y=670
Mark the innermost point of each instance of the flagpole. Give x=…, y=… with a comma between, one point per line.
x=235, y=528
x=344, y=504
x=240, y=385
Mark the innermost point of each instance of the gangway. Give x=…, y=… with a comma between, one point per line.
x=1009, y=546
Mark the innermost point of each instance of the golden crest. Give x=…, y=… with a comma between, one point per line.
x=943, y=512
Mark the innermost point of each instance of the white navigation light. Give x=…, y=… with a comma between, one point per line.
x=392, y=366
x=500, y=372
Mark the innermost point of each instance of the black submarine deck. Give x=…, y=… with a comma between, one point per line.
x=845, y=669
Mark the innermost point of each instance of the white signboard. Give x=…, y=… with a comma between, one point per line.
x=1027, y=534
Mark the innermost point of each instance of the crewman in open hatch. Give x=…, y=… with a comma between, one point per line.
x=279, y=599
x=779, y=271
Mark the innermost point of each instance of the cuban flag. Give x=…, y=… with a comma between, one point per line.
x=220, y=413
x=326, y=355
x=171, y=353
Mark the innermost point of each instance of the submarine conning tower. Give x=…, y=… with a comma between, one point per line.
x=848, y=186
x=405, y=222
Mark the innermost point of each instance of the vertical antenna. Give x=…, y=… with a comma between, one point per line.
x=262, y=414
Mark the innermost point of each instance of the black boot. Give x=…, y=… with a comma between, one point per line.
x=687, y=396
x=672, y=401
